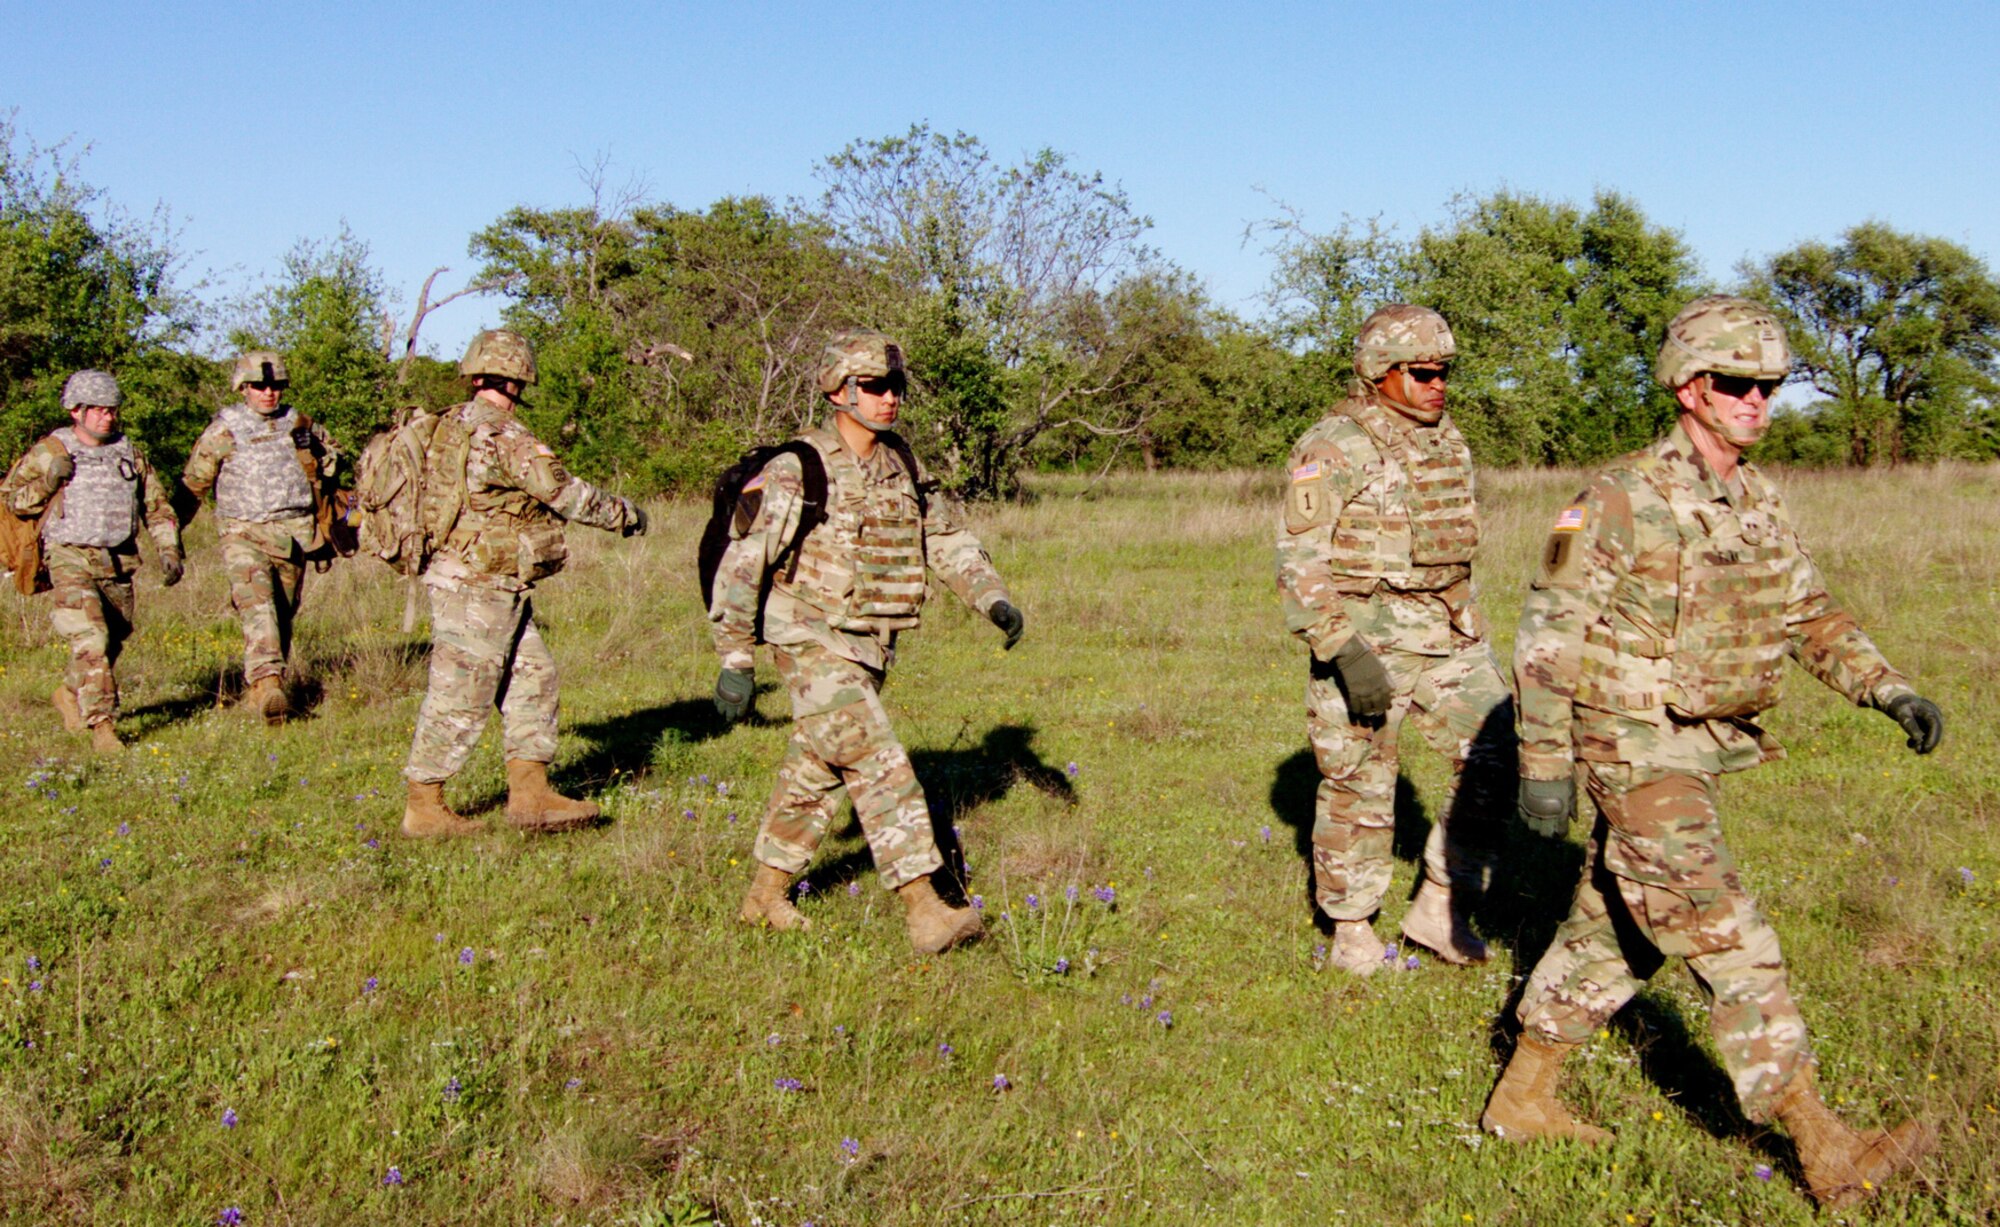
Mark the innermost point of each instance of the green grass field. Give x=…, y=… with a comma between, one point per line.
x=226, y=983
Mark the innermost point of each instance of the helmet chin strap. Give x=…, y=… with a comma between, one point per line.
x=1722, y=425
x=852, y=408
x=1429, y=417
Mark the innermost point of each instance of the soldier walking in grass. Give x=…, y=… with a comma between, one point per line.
x=496, y=499
x=93, y=491
x=1669, y=594
x=837, y=600
x=270, y=469
x=1375, y=553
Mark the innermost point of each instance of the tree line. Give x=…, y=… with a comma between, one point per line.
x=1041, y=328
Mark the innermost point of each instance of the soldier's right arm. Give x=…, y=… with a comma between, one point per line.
x=1321, y=479
x=205, y=461
x=779, y=494
x=1588, y=550
x=37, y=476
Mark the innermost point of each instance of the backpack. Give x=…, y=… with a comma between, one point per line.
x=21, y=551
x=409, y=488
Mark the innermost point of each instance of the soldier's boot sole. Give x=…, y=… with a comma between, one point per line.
x=934, y=926
x=1356, y=949
x=766, y=903
x=269, y=700
x=1841, y=1166
x=1437, y=926
x=65, y=703
x=425, y=815
x=104, y=739
x=1524, y=1107
x=537, y=809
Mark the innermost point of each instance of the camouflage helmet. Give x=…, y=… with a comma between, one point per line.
x=91, y=388
x=1724, y=335
x=258, y=366
x=502, y=352
x=1401, y=333
x=858, y=353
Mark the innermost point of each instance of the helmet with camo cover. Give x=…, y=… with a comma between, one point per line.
x=858, y=353
x=1400, y=333
x=91, y=388
x=501, y=352
x=1724, y=335
x=258, y=366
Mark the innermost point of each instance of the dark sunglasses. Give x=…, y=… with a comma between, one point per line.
x=264, y=386
x=1736, y=387
x=882, y=386
x=1430, y=374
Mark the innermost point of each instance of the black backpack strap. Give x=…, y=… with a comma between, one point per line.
x=812, y=467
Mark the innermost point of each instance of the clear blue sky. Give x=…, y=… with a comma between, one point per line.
x=1746, y=126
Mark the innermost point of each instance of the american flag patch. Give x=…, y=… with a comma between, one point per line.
x=1305, y=472
x=1570, y=521
x=755, y=483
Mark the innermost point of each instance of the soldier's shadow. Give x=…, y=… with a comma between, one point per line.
x=956, y=780
x=625, y=746
x=306, y=685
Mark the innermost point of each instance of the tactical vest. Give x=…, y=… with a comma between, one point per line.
x=500, y=530
x=1422, y=533
x=1730, y=579
x=262, y=479
x=100, y=502
x=864, y=567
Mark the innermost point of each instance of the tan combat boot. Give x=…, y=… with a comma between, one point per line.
x=766, y=903
x=534, y=807
x=934, y=926
x=1356, y=949
x=1524, y=1106
x=267, y=698
x=104, y=738
x=1842, y=1166
x=1435, y=923
x=425, y=815
x=65, y=703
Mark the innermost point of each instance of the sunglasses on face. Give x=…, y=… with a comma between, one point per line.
x=1736, y=387
x=881, y=386
x=266, y=387
x=1428, y=374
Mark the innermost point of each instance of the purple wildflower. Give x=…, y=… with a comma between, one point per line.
x=1762, y=1171
x=1410, y=964
x=105, y=863
x=1266, y=833
x=453, y=1089
x=851, y=1148
x=124, y=828
x=805, y=887
x=1062, y=966
x=393, y=1177
x=1105, y=894
x=573, y=1084
x=732, y=816
x=854, y=890
x=34, y=986
x=1034, y=903
x=979, y=903
x=1072, y=769
x=1965, y=875
x=1069, y=892
x=229, y=1118
x=34, y=964
x=1388, y=954
x=231, y=1216
x=944, y=1050
x=703, y=777
x=465, y=955
x=1000, y=1082
x=371, y=843
x=1146, y=1002
x=688, y=814
x=1165, y=1018
x=788, y=1084
x=774, y=1039
x=370, y=984
x=1319, y=951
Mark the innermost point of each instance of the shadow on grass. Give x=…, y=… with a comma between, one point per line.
x=306, y=687
x=1294, y=787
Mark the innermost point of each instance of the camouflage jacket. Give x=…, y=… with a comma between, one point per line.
x=264, y=496
x=821, y=603
x=1378, y=532
x=517, y=497
x=1658, y=622
x=32, y=489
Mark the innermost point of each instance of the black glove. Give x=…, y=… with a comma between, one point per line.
x=302, y=439
x=635, y=519
x=1365, y=680
x=171, y=569
x=61, y=466
x=1920, y=718
x=1546, y=806
x=734, y=689
x=1008, y=619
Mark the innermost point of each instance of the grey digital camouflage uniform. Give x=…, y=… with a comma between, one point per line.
x=485, y=648
x=257, y=467
x=1657, y=626
x=89, y=532
x=1377, y=539
x=832, y=622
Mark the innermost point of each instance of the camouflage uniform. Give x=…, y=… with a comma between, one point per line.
x=485, y=648
x=265, y=473
x=89, y=531
x=1376, y=539
x=1658, y=624
x=831, y=618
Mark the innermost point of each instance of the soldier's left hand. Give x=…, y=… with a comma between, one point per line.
x=1920, y=718
x=635, y=518
x=1008, y=619
x=171, y=569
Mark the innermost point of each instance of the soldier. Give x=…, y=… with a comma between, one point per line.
x=834, y=609
x=92, y=490
x=509, y=497
x=269, y=468
x=1668, y=596
x=1375, y=551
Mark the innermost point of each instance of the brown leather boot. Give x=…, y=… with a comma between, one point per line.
x=1842, y=1166
x=65, y=703
x=267, y=698
x=935, y=927
x=104, y=738
x=1435, y=923
x=766, y=903
x=1524, y=1106
x=1356, y=949
x=426, y=816
x=535, y=807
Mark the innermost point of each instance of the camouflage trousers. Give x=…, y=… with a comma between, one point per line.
x=485, y=653
x=95, y=616
x=841, y=735
x=1463, y=708
x=1660, y=881
x=264, y=590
